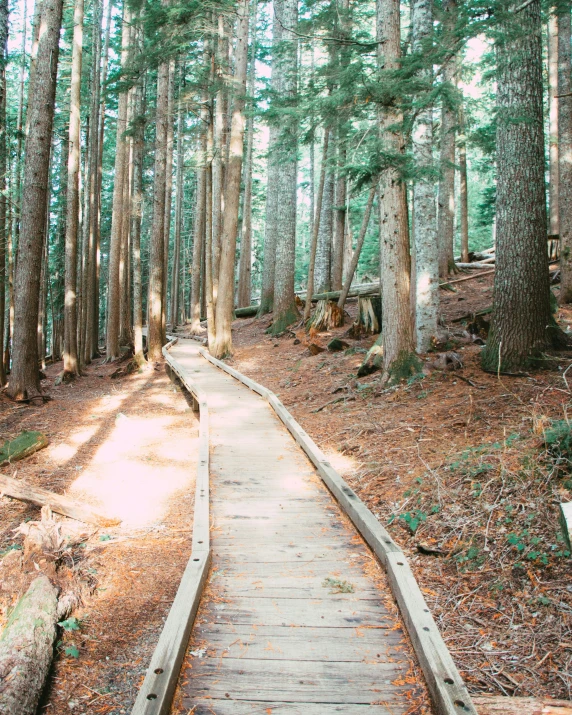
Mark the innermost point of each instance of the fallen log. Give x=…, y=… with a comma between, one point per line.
x=502, y=705
x=467, y=278
x=26, y=649
x=476, y=264
x=18, y=489
x=25, y=444
x=364, y=289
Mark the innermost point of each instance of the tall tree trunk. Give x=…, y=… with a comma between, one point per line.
x=285, y=310
x=157, y=247
x=245, y=266
x=99, y=179
x=219, y=149
x=113, y=286
x=316, y=228
x=125, y=335
x=399, y=357
x=175, y=273
x=272, y=196
x=3, y=170
x=323, y=280
x=24, y=379
x=339, y=218
x=168, y=192
x=355, y=258
x=201, y=207
x=446, y=201
x=522, y=325
x=426, y=250
x=553, y=118
x=136, y=216
x=564, y=155
x=463, y=187
x=92, y=213
x=225, y=298
x=71, y=366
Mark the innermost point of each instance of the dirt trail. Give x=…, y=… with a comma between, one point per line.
x=128, y=447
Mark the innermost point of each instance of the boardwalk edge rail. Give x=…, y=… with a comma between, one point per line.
x=158, y=688
x=446, y=687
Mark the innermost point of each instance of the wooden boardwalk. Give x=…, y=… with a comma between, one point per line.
x=296, y=617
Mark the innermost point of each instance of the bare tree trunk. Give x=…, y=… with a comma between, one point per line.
x=323, y=273
x=168, y=192
x=200, y=218
x=316, y=228
x=426, y=251
x=564, y=155
x=4, y=222
x=245, y=266
x=99, y=179
x=399, y=359
x=71, y=365
x=553, y=118
x=285, y=310
x=272, y=197
x=446, y=201
x=92, y=217
x=355, y=258
x=225, y=298
x=157, y=245
x=136, y=215
x=175, y=274
x=463, y=188
x=219, y=150
x=24, y=378
x=522, y=325
x=125, y=335
x=113, y=289
x=339, y=218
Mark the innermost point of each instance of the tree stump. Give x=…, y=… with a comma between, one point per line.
x=327, y=316
x=369, y=316
x=26, y=649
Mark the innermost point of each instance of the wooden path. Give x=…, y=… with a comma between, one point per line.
x=277, y=633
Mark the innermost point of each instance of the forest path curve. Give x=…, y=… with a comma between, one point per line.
x=297, y=616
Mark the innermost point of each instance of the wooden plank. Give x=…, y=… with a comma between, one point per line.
x=224, y=706
x=499, y=705
x=18, y=489
x=284, y=643
x=297, y=681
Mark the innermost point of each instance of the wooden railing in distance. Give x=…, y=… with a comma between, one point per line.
x=156, y=693
x=446, y=687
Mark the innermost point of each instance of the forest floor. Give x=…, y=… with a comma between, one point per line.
x=127, y=447
x=456, y=464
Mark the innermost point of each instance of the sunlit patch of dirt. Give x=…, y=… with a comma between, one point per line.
x=128, y=448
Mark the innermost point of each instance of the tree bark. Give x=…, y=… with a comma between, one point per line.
x=426, y=250
x=113, y=296
x=245, y=265
x=175, y=273
x=71, y=365
x=355, y=258
x=157, y=247
x=553, y=119
x=285, y=310
x=463, y=188
x=4, y=217
x=565, y=156
x=24, y=378
x=225, y=298
x=522, y=325
x=446, y=201
x=26, y=647
x=136, y=216
x=272, y=197
x=323, y=275
x=168, y=193
x=125, y=336
x=399, y=357
x=316, y=228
